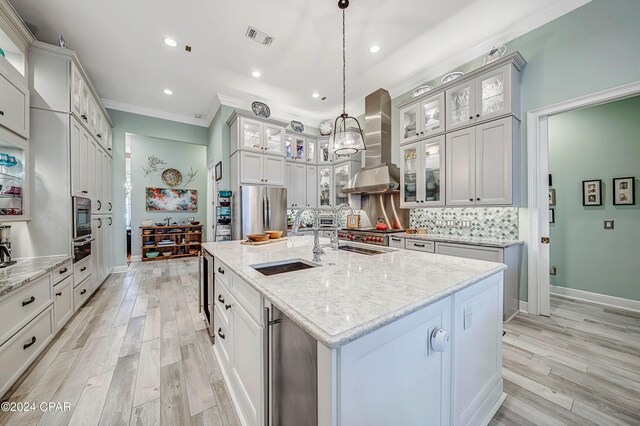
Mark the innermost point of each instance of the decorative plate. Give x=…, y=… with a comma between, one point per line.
x=297, y=126
x=260, y=109
x=172, y=177
x=421, y=91
x=452, y=76
x=325, y=127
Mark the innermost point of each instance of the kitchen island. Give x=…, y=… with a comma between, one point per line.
x=379, y=325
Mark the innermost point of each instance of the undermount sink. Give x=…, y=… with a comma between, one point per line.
x=283, y=266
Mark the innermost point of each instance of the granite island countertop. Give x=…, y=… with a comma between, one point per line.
x=27, y=270
x=474, y=241
x=350, y=294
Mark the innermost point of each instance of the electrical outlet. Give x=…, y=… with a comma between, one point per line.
x=451, y=223
x=608, y=224
x=552, y=270
x=439, y=222
x=468, y=315
x=465, y=224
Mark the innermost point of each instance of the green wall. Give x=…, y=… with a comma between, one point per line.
x=595, y=143
x=123, y=123
x=178, y=155
x=590, y=49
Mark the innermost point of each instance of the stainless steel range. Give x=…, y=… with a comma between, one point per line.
x=367, y=235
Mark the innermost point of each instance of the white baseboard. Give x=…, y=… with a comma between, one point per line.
x=136, y=258
x=120, y=269
x=602, y=299
x=524, y=307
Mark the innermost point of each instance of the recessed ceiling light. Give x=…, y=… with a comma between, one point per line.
x=168, y=92
x=256, y=74
x=315, y=95
x=374, y=49
x=170, y=42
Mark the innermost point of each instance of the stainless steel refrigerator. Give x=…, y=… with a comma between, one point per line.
x=262, y=208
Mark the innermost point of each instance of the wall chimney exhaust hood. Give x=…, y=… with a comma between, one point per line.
x=378, y=175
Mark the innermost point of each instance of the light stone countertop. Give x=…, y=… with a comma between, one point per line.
x=474, y=241
x=351, y=294
x=27, y=270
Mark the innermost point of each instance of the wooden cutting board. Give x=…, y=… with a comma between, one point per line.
x=259, y=243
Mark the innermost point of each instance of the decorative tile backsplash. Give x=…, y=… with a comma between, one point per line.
x=307, y=217
x=500, y=223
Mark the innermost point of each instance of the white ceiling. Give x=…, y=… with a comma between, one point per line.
x=120, y=44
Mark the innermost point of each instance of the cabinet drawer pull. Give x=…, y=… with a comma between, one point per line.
x=84, y=268
x=470, y=199
x=29, y=301
x=59, y=294
x=477, y=115
x=99, y=136
x=110, y=205
x=396, y=239
x=1, y=112
x=418, y=245
x=84, y=117
x=227, y=307
x=26, y=345
x=478, y=199
x=221, y=270
x=99, y=205
x=110, y=221
x=471, y=118
x=220, y=299
x=62, y=271
x=220, y=333
x=85, y=192
x=83, y=292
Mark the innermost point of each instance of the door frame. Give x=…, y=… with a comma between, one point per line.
x=210, y=200
x=538, y=184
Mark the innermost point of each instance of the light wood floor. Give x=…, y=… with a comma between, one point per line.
x=138, y=353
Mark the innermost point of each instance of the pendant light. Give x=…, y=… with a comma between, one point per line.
x=347, y=136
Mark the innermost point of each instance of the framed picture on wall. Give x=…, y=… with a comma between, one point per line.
x=552, y=197
x=552, y=215
x=218, y=171
x=624, y=191
x=592, y=192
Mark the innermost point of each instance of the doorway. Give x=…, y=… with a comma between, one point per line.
x=539, y=278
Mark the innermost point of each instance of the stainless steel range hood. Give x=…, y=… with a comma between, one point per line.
x=379, y=175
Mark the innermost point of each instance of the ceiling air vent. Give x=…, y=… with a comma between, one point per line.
x=259, y=36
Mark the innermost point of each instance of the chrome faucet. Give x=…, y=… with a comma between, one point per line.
x=317, y=250
x=336, y=213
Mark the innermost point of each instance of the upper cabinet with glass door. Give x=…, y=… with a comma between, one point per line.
x=490, y=95
x=295, y=147
x=324, y=155
x=422, y=173
x=257, y=135
x=311, y=151
x=422, y=119
x=274, y=139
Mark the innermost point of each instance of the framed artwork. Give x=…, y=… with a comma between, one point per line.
x=592, y=192
x=624, y=191
x=552, y=215
x=171, y=200
x=219, y=171
x=552, y=197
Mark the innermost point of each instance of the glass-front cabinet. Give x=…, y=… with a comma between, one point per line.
x=325, y=190
x=251, y=135
x=273, y=139
x=311, y=151
x=341, y=176
x=13, y=199
x=422, y=173
x=461, y=105
x=324, y=151
x=422, y=119
x=295, y=147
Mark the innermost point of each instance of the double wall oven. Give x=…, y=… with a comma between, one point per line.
x=81, y=228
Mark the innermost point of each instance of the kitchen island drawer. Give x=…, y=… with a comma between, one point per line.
x=19, y=352
x=81, y=293
x=81, y=270
x=221, y=272
x=222, y=339
x=21, y=306
x=420, y=245
x=222, y=300
x=62, y=272
x=396, y=242
x=489, y=254
x=247, y=297
x=62, y=302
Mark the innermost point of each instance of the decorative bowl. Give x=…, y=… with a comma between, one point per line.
x=225, y=203
x=172, y=177
x=274, y=235
x=149, y=243
x=152, y=254
x=260, y=109
x=325, y=127
x=421, y=91
x=147, y=231
x=166, y=253
x=258, y=237
x=297, y=126
x=452, y=76
x=225, y=193
x=160, y=224
x=195, y=222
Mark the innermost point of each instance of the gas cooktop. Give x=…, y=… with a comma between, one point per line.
x=373, y=230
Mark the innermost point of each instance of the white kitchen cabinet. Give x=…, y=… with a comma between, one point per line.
x=324, y=156
x=311, y=148
x=254, y=135
x=81, y=148
x=251, y=136
x=288, y=171
x=109, y=184
x=14, y=107
x=76, y=91
x=422, y=180
x=295, y=147
x=273, y=170
x=62, y=302
x=325, y=186
x=97, y=256
x=92, y=179
x=488, y=96
x=480, y=164
x=341, y=176
x=312, y=187
x=420, y=245
x=251, y=168
x=273, y=139
x=422, y=119
x=298, y=186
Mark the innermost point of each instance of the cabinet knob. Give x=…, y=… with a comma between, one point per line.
x=470, y=199
x=477, y=115
x=1, y=112
x=59, y=293
x=477, y=199
x=471, y=118
x=220, y=333
x=227, y=307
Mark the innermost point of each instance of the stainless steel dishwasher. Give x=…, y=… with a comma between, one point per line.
x=293, y=378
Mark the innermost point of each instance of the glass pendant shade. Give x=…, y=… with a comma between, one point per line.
x=347, y=136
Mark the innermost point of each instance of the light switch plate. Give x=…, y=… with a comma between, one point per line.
x=608, y=224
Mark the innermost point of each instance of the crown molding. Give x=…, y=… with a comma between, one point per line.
x=525, y=26
x=149, y=112
x=8, y=12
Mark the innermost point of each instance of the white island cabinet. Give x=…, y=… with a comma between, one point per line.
x=358, y=340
